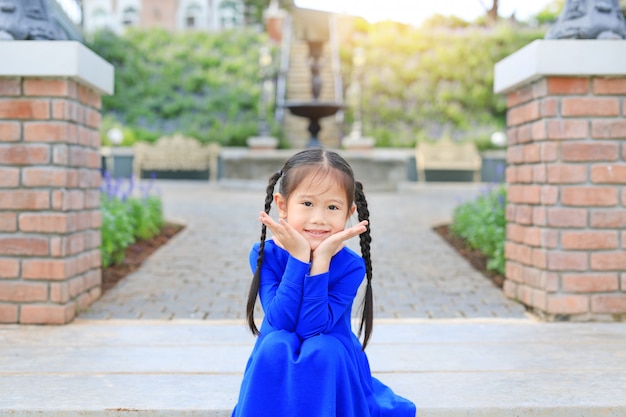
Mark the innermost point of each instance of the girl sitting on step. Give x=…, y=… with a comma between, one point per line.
x=307, y=362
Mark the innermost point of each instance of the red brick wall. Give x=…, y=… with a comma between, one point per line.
x=49, y=200
x=566, y=212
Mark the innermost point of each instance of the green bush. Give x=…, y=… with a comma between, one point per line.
x=117, y=231
x=482, y=224
x=126, y=217
x=420, y=81
x=203, y=85
x=146, y=214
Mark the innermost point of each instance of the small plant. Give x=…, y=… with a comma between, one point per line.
x=117, y=231
x=482, y=224
x=127, y=217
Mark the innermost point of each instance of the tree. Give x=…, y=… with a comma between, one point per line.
x=254, y=10
x=492, y=12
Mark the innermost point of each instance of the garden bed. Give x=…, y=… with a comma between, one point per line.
x=476, y=258
x=136, y=254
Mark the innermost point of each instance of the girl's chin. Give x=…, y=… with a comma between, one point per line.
x=315, y=244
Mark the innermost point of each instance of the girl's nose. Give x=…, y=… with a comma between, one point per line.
x=317, y=216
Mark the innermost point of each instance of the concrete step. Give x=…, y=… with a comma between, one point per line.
x=304, y=82
x=451, y=368
x=305, y=76
x=304, y=86
x=302, y=64
x=301, y=95
x=299, y=76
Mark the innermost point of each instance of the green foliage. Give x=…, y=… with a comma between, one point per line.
x=125, y=218
x=109, y=122
x=416, y=81
x=482, y=224
x=419, y=80
x=484, y=143
x=450, y=22
x=147, y=216
x=550, y=13
x=203, y=85
x=117, y=231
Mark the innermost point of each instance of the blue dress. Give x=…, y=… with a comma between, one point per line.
x=307, y=362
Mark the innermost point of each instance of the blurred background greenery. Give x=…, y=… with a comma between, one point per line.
x=419, y=83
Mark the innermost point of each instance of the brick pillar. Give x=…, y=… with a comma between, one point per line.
x=49, y=179
x=566, y=176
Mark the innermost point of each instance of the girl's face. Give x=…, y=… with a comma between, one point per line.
x=316, y=208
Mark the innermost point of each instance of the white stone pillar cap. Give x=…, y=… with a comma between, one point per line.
x=56, y=59
x=562, y=57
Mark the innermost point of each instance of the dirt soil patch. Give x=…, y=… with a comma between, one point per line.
x=476, y=258
x=136, y=254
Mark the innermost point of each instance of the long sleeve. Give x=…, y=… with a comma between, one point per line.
x=280, y=289
x=323, y=304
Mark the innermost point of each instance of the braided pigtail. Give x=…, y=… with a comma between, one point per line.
x=367, y=317
x=256, y=279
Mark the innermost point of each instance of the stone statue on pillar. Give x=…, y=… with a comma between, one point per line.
x=589, y=19
x=27, y=20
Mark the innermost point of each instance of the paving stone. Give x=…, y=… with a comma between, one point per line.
x=203, y=272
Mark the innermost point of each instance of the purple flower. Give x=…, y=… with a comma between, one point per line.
x=131, y=185
x=105, y=187
x=501, y=200
x=485, y=190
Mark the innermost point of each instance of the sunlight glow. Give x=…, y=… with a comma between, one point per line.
x=73, y=10
x=416, y=11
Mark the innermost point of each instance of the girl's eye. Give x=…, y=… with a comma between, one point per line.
x=308, y=204
x=331, y=207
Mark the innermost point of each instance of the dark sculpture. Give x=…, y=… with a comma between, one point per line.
x=27, y=20
x=314, y=110
x=315, y=55
x=589, y=19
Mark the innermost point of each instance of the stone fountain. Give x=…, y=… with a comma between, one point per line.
x=314, y=110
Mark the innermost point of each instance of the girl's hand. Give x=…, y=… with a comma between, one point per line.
x=325, y=251
x=292, y=241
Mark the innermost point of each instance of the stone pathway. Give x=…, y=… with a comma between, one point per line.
x=203, y=272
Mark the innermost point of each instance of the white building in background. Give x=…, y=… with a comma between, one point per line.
x=72, y=9
x=173, y=15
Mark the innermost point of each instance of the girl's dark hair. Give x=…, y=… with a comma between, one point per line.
x=319, y=162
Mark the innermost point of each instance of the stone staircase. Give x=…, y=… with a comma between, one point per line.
x=183, y=368
x=299, y=89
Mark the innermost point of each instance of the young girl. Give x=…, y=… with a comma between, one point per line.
x=307, y=362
